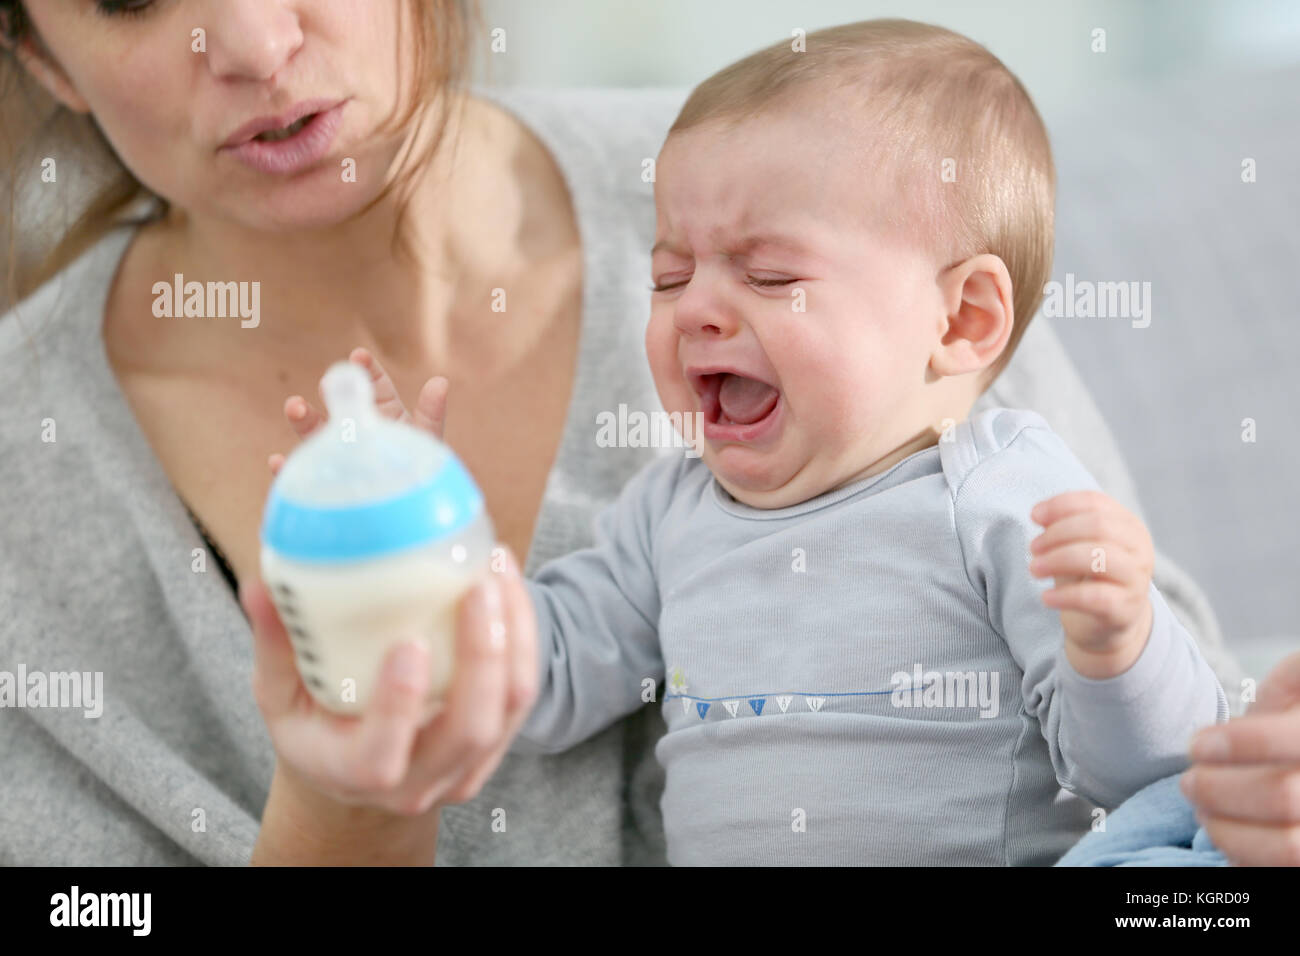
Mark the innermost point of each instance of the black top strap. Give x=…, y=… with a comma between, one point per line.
x=222, y=563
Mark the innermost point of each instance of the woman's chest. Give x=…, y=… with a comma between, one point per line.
x=212, y=442
x=213, y=438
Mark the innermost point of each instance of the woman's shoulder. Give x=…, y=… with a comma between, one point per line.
x=605, y=142
x=607, y=121
x=66, y=306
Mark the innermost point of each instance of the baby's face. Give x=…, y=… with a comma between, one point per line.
x=799, y=329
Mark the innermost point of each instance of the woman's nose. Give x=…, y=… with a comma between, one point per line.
x=701, y=309
x=251, y=39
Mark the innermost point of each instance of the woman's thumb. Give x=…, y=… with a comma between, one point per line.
x=1280, y=690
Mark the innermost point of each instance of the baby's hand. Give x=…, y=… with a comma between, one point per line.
x=430, y=407
x=1101, y=557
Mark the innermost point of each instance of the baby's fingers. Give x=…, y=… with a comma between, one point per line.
x=1112, y=604
x=431, y=406
x=303, y=418
x=1089, y=560
x=1112, y=529
x=1069, y=503
x=387, y=401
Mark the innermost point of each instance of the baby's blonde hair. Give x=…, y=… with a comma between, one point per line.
x=935, y=100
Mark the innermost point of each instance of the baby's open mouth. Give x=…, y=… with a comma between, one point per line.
x=728, y=398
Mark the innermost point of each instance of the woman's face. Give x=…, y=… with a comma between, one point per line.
x=170, y=82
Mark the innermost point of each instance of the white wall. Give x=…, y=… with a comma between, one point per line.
x=1047, y=44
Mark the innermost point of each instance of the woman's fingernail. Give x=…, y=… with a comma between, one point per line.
x=1210, y=745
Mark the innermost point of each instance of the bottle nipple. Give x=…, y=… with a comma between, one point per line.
x=349, y=395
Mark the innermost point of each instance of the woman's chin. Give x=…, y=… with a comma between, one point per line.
x=315, y=202
x=322, y=214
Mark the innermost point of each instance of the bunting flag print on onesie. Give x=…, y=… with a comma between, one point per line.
x=731, y=705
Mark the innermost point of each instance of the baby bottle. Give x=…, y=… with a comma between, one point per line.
x=373, y=531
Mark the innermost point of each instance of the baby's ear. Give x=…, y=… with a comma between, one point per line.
x=979, y=315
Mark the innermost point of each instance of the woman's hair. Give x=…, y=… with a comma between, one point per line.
x=443, y=29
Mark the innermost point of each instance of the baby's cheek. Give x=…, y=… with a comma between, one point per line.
x=849, y=405
x=674, y=394
x=661, y=352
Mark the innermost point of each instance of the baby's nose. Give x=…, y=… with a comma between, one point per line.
x=701, y=312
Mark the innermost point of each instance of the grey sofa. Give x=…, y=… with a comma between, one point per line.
x=1151, y=189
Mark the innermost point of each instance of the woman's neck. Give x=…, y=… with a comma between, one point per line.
x=486, y=203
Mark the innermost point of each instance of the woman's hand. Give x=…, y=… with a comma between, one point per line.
x=384, y=758
x=1245, y=776
x=360, y=789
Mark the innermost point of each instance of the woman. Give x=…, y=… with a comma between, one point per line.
x=134, y=431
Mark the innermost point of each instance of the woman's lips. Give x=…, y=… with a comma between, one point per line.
x=295, y=153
